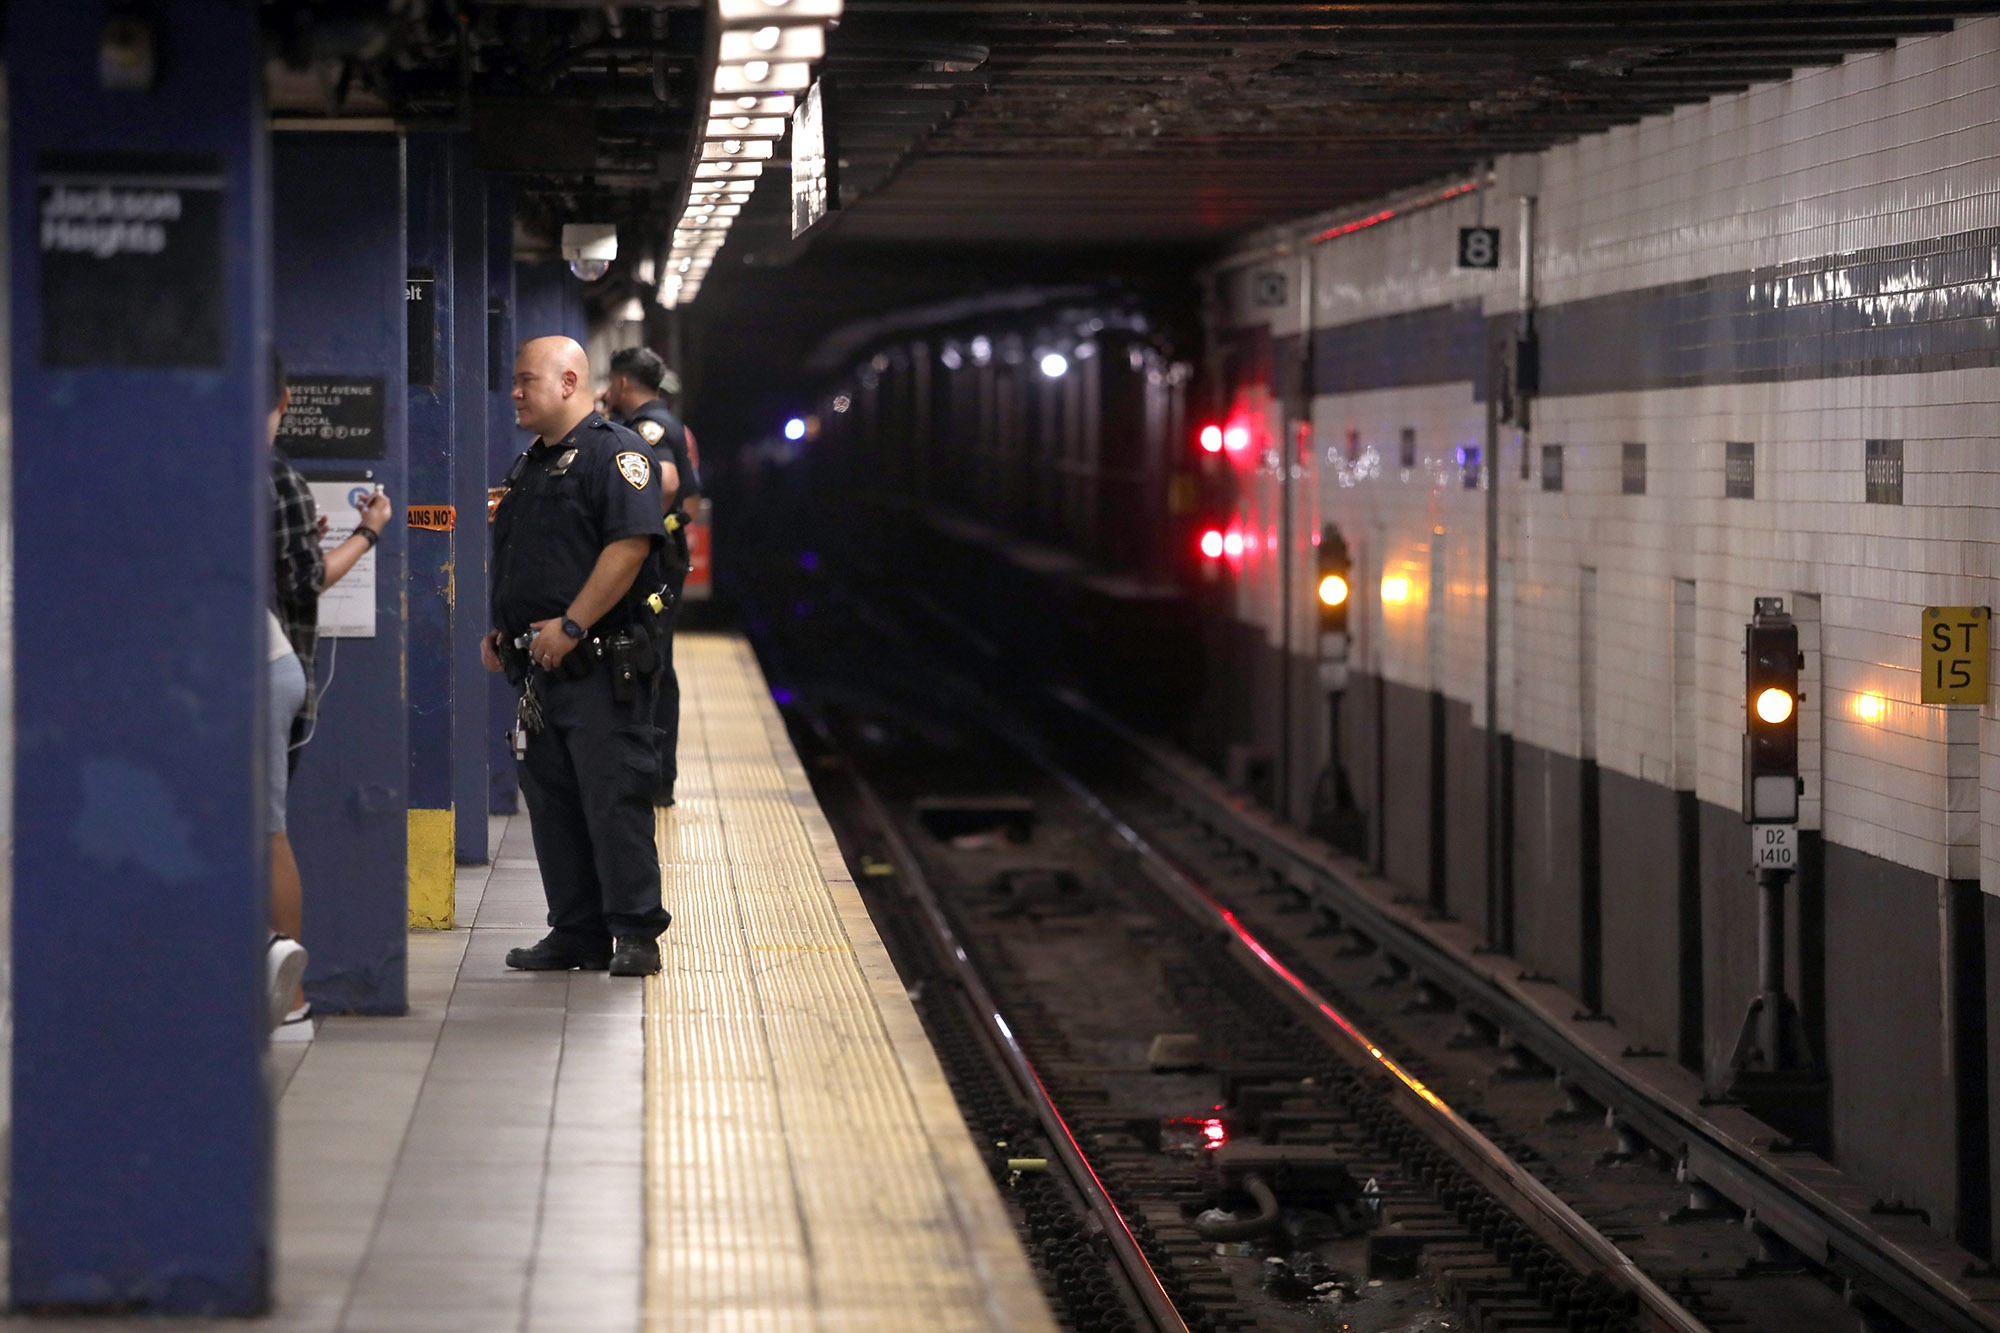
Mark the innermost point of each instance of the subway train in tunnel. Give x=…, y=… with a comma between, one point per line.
x=1566, y=449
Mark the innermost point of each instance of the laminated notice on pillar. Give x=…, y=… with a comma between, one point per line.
x=1774, y=846
x=347, y=609
x=131, y=260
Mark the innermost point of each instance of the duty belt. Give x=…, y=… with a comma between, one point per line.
x=631, y=653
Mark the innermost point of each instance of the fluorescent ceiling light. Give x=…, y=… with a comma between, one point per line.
x=761, y=12
x=747, y=127
x=763, y=77
x=805, y=42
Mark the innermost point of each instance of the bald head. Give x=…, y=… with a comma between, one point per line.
x=551, y=386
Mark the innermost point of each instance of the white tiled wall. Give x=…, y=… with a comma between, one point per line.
x=1885, y=148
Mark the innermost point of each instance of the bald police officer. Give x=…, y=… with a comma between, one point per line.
x=576, y=542
x=634, y=394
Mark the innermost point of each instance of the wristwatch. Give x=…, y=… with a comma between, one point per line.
x=571, y=628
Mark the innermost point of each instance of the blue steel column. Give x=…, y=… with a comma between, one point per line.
x=551, y=301
x=503, y=442
x=433, y=433
x=142, y=1136
x=469, y=684
x=337, y=220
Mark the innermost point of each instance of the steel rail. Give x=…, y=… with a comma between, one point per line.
x=1816, y=1226
x=1000, y=1038
x=1545, y=1213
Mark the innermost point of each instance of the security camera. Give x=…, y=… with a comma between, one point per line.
x=589, y=247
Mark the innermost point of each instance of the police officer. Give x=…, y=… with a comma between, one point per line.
x=576, y=538
x=634, y=394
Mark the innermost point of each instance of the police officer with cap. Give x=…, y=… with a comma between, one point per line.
x=576, y=538
x=634, y=394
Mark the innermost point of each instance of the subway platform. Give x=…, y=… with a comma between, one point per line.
x=758, y=1138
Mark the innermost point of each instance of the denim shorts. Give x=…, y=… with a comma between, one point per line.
x=288, y=696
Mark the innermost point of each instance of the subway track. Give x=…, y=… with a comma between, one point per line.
x=1071, y=943
x=1281, y=1116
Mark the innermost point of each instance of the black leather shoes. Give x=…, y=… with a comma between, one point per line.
x=552, y=953
x=635, y=956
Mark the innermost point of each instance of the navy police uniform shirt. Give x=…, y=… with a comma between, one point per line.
x=661, y=429
x=565, y=503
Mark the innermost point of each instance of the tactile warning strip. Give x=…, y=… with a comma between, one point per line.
x=806, y=1167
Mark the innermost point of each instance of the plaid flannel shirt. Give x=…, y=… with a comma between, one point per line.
x=298, y=569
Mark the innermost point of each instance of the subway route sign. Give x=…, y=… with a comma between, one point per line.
x=1956, y=645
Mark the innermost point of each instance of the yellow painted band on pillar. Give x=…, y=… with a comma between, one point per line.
x=433, y=868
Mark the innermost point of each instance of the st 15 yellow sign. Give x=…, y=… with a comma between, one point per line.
x=1955, y=654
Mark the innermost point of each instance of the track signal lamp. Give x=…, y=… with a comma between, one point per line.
x=1771, y=663
x=1335, y=589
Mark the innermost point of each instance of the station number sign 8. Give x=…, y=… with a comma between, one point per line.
x=1479, y=247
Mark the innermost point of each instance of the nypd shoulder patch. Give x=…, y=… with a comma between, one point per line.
x=637, y=469
x=650, y=431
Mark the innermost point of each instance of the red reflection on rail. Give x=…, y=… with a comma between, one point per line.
x=1339, y=1019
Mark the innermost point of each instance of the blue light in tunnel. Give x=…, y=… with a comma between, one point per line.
x=781, y=696
x=808, y=561
x=795, y=429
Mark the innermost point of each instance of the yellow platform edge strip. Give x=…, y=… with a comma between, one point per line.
x=763, y=907
x=433, y=868
x=655, y=1302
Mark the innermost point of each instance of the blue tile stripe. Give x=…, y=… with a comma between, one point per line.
x=1915, y=307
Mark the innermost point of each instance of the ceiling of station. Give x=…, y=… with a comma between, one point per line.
x=984, y=144
x=1075, y=121
x=1061, y=121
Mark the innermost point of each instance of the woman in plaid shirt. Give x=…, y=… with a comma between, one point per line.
x=301, y=572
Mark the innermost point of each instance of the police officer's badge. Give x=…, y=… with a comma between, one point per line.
x=636, y=469
x=650, y=431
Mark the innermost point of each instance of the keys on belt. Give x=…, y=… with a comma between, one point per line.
x=529, y=719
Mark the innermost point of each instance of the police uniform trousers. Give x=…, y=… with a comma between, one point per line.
x=588, y=778
x=667, y=715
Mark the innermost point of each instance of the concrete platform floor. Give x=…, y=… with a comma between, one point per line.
x=476, y=1165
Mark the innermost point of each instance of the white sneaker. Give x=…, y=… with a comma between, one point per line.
x=298, y=1025
x=285, y=965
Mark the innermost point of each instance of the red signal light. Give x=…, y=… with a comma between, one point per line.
x=1232, y=544
x=1211, y=439
x=1236, y=439
x=1211, y=543
x=1214, y=1133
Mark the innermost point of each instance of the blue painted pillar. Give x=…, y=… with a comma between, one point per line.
x=503, y=442
x=433, y=437
x=469, y=683
x=139, y=264
x=551, y=301
x=337, y=220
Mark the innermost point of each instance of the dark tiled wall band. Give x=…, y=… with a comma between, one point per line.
x=1896, y=309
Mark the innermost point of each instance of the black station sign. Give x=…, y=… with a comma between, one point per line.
x=131, y=260
x=334, y=416
x=420, y=300
x=1479, y=247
